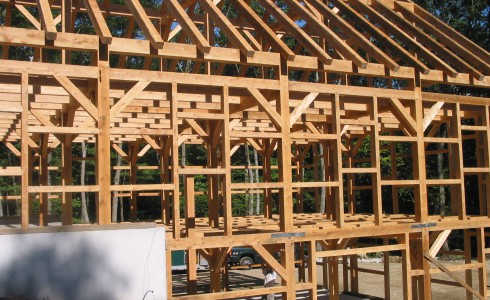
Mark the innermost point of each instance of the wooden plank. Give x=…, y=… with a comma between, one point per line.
x=188, y=26
x=375, y=162
x=453, y=276
x=98, y=21
x=47, y=19
x=231, y=32
x=145, y=23
x=338, y=171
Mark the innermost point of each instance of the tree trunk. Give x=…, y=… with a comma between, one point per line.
x=257, y=203
x=117, y=179
x=323, y=193
x=85, y=218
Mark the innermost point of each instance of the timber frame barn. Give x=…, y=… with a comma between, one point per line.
x=336, y=73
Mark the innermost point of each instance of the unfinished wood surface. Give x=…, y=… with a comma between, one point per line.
x=309, y=87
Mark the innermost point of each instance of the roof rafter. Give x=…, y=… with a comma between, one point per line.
x=98, y=21
x=298, y=33
x=145, y=23
x=361, y=39
x=330, y=36
x=188, y=26
x=47, y=19
x=231, y=32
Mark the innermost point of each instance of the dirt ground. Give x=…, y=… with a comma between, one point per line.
x=369, y=284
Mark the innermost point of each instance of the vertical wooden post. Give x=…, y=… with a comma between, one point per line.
x=419, y=172
x=345, y=273
x=312, y=270
x=486, y=146
x=337, y=172
x=104, y=145
x=285, y=174
x=168, y=256
x=43, y=180
x=394, y=189
x=482, y=272
x=226, y=162
x=133, y=169
x=375, y=161
x=66, y=26
x=458, y=191
x=386, y=270
x=467, y=260
x=190, y=206
x=287, y=261
x=25, y=161
x=425, y=280
x=406, y=267
x=333, y=280
x=191, y=272
x=165, y=178
x=267, y=178
x=175, y=161
x=354, y=273
x=66, y=172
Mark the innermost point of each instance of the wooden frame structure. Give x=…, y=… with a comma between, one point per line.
x=369, y=60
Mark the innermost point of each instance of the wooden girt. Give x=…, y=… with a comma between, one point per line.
x=145, y=23
x=297, y=32
x=231, y=32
